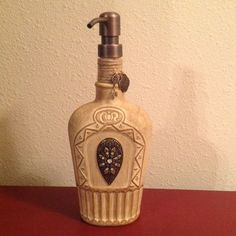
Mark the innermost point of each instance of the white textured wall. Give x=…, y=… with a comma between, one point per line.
x=180, y=57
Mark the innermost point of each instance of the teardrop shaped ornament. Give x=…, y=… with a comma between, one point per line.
x=109, y=158
x=124, y=82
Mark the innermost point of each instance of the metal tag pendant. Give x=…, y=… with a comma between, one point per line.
x=124, y=82
x=109, y=158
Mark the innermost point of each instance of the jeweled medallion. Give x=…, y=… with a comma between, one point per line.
x=109, y=158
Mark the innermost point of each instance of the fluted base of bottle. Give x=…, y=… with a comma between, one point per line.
x=111, y=208
x=109, y=223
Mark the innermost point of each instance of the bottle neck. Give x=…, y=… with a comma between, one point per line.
x=105, y=89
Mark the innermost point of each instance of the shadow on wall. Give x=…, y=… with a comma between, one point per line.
x=12, y=172
x=185, y=160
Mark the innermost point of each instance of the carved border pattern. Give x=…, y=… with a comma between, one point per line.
x=104, y=119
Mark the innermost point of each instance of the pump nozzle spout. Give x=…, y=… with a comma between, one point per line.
x=95, y=21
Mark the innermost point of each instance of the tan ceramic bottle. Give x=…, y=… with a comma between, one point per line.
x=109, y=139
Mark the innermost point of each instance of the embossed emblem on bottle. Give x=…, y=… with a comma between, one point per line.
x=109, y=158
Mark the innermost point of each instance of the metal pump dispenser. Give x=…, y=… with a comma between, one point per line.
x=109, y=29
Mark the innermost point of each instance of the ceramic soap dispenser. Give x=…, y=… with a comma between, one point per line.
x=109, y=139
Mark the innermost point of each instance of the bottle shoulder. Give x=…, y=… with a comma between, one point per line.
x=81, y=113
x=135, y=112
x=88, y=113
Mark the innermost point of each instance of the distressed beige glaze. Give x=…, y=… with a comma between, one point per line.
x=109, y=117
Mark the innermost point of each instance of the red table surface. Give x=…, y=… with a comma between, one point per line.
x=54, y=211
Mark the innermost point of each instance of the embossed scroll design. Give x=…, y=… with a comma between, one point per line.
x=109, y=158
x=108, y=118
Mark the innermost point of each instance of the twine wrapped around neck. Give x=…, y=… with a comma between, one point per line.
x=107, y=68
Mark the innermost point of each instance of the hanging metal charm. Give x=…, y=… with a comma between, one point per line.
x=122, y=80
x=109, y=158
